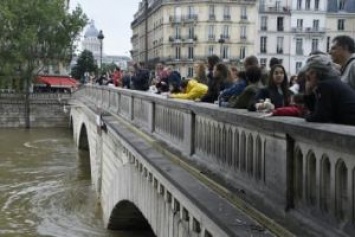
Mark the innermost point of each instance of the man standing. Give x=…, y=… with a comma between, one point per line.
x=140, y=79
x=343, y=53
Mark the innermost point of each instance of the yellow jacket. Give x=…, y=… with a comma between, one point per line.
x=194, y=90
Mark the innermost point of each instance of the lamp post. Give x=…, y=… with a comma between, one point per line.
x=100, y=37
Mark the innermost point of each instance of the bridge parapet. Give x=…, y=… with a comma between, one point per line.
x=307, y=169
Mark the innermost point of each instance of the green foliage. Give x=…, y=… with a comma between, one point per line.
x=85, y=63
x=34, y=33
x=108, y=67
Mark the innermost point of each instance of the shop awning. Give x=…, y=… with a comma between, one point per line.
x=57, y=81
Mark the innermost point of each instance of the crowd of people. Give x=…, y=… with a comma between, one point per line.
x=322, y=91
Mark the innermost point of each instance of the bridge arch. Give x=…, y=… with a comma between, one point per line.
x=83, y=142
x=126, y=216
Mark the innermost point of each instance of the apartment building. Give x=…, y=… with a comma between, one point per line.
x=181, y=33
x=290, y=30
x=340, y=19
x=274, y=26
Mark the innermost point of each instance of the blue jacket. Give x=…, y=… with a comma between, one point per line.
x=236, y=89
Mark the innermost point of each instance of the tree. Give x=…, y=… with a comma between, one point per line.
x=85, y=63
x=35, y=33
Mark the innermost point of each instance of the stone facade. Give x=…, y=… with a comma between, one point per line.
x=303, y=171
x=185, y=32
x=45, y=111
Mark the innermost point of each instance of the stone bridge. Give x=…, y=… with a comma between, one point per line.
x=183, y=168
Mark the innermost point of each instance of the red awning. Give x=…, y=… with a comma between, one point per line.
x=57, y=81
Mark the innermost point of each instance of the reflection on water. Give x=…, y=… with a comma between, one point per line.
x=45, y=187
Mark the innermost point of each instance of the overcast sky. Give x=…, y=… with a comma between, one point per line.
x=113, y=17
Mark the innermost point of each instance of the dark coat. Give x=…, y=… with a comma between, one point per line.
x=140, y=81
x=273, y=94
x=334, y=102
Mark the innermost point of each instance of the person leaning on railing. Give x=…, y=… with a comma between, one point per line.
x=191, y=90
x=328, y=98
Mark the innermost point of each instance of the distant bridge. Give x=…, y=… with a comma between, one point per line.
x=183, y=168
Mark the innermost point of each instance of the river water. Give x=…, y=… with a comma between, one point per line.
x=45, y=187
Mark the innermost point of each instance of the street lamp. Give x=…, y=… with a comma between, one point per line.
x=100, y=37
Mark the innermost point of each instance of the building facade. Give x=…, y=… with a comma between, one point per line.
x=181, y=33
x=291, y=30
x=340, y=19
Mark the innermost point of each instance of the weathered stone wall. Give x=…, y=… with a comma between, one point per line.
x=46, y=110
x=304, y=171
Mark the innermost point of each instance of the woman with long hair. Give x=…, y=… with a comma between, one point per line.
x=220, y=74
x=276, y=90
x=200, y=73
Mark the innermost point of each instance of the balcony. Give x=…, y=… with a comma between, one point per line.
x=175, y=19
x=190, y=18
x=308, y=30
x=279, y=51
x=211, y=38
x=263, y=50
x=243, y=17
x=227, y=18
x=263, y=28
x=243, y=37
x=175, y=39
x=275, y=9
x=299, y=52
x=280, y=28
x=191, y=39
x=211, y=17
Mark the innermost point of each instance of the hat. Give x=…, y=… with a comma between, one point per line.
x=318, y=61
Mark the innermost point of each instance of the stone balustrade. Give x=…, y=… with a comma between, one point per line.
x=304, y=170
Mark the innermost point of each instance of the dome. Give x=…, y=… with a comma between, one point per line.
x=91, y=32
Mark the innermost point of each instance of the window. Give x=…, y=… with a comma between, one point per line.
x=263, y=26
x=299, y=46
x=341, y=24
x=328, y=43
x=263, y=43
x=225, y=33
x=298, y=66
x=314, y=45
x=299, y=4
x=280, y=24
x=225, y=51
x=243, y=13
x=316, y=4
x=280, y=45
x=263, y=62
x=212, y=16
x=341, y=4
x=211, y=32
x=177, y=13
x=226, y=13
x=191, y=32
x=190, y=72
x=308, y=4
x=299, y=24
x=315, y=25
x=210, y=50
x=177, y=53
x=243, y=32
x=190, y=54
x=190, y=12
x=177, y=32
x=278, y=6
x=242, y=52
